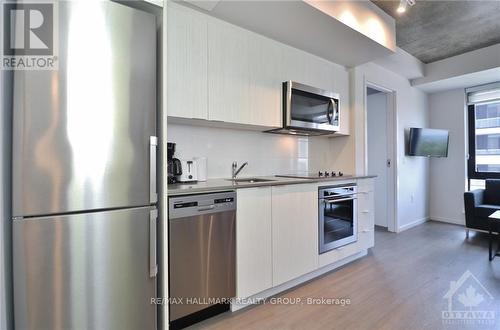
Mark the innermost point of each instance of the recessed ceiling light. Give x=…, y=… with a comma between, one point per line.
x=402, y=7
x=403, y=4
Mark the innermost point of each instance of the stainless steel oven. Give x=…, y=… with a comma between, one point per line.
x=337, y=219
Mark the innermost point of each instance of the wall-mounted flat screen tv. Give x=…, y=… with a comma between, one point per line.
x=428, y=142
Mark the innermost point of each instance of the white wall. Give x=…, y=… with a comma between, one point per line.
x=411, y=111
x=377, y=152
x=267, y=154
x=448, y=175
x=402, y=63
x=331, y=154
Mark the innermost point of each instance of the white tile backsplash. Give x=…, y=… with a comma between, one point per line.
x=266, y=154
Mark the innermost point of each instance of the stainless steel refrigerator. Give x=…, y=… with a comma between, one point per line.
x=84, y=175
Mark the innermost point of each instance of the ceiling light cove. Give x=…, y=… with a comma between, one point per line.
x=403, y=4
x=360, y=16
x=402, y=7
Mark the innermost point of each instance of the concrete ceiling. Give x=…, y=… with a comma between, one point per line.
x=434, y=30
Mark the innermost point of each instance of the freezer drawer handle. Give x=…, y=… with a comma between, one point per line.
x=153, y=266
x=153, y=196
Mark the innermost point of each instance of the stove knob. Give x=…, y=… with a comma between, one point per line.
x=327, y=173
x=341, y=174
x=333, y=173
x=320, y=174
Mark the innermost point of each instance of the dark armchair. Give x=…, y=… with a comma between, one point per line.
x=480, y=204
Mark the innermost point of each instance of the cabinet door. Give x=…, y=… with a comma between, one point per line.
x=186, y=63
x=294, y=64
x=341, y=86
x=253, y=241
x=366, y=216
x=295, y=231
x=228, y=82
x=265, y=82
x=244, y=80
x=320, y=73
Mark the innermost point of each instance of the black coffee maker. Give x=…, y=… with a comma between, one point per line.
x=173, y=164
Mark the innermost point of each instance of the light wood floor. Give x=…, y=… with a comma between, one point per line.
x=399, y=285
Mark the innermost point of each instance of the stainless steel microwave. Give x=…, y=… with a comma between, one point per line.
x=308, y=110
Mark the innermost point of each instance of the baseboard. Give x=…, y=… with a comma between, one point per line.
x=260, y=297
x=413, y=224
x=448, y=220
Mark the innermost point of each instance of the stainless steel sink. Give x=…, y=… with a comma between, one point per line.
x=250, y=180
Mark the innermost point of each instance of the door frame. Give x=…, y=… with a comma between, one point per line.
x=392, y=184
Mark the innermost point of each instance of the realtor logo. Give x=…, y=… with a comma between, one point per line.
x=469, y=303
x=29, y=35
x=28, y=29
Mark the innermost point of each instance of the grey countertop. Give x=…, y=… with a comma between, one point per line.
x=214, y=185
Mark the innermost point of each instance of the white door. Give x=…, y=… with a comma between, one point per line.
x=378, y=153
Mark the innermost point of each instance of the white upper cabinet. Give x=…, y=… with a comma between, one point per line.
x=186, y=63
x=221, y=72
x=295, y=231
x=266, y=79
x=243, y=78
x=254, y=263
x=228, y=83
x=320, y=73
x=341, y=86
x=294, y=65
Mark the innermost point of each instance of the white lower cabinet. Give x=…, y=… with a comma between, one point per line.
x=366, y=216
x=254, y=270
x=277, y=234
x=295, y=231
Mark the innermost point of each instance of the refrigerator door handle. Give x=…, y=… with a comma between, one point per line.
x=153, y=266
x=153, y=196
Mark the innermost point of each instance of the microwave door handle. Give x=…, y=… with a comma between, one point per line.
x=333, y=107
x=335, y=111
x=328, y=115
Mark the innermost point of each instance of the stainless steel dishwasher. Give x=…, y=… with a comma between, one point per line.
x=202, y=256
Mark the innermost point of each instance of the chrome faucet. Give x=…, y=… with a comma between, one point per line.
x=236, y=171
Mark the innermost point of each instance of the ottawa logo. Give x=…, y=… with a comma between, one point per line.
x=469, y=303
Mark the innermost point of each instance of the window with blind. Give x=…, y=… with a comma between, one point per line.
x=484, y=132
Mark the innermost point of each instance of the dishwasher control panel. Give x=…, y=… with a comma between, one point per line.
x=184, y=206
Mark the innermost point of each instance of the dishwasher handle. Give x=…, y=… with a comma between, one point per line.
x=206, y=208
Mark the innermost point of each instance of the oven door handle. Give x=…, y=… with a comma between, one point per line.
x=343, y=196
x=331, y=201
